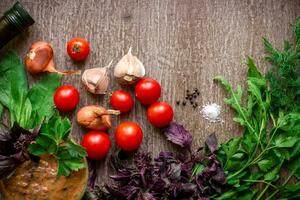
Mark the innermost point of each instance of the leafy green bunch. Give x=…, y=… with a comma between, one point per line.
x=31, y=107
x=28, y=106
x=265, y=161
x=54, y=140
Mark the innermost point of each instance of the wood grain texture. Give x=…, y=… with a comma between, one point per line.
x=183, y=44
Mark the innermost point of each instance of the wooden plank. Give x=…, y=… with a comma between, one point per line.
x=183, y=44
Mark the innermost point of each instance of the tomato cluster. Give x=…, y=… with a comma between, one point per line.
x=128, y=135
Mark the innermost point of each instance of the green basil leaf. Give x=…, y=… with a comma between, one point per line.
x=63, y=169
x=75, y=150
x=41, y=97
x=37, y=149
x=12, y=73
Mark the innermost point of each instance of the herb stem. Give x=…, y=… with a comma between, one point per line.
x=261, y=181
x=263, y=192
x=285, y=182
x=261, y=154
x=252, y=156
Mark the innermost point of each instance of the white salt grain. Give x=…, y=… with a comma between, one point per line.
x=211, y=112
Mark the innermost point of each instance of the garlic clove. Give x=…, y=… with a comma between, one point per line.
x=129, y=69
x=96, y=80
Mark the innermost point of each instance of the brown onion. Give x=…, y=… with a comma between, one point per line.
x=40, y=59
x=95, y=117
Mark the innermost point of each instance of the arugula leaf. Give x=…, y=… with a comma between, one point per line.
x=53, y=140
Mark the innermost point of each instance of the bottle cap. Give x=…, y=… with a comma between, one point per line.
x=19, y=17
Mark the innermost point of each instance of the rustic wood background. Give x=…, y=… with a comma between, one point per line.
x=182, y=43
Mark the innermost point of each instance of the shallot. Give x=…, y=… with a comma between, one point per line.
x=95, y=117
x=40, y=59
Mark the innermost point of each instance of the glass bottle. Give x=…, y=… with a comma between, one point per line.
x=13, y=22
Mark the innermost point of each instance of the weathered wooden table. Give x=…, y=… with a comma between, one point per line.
x=183, y=44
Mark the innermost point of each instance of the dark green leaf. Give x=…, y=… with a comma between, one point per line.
x=273, y=175
x=284, y=142
x=63, y=169
x=75, y=150
x=296, y=29
x=37, y=150
x=266, y=164
x=41, y=96
x=12, y=73
x=293, y=187
x=252, y=69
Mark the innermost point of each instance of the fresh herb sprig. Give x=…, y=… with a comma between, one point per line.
x=270, y=144
x=284, y=75
x=54, y=140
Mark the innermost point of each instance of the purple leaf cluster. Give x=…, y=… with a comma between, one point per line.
x=191, y=176
x=13, y=147
x=178, y=135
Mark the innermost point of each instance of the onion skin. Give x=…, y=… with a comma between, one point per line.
x=95, y=117
x=40, y=59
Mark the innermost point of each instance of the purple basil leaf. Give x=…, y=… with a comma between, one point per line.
x=13, y=148
x=122, y=175
x=177, y=134
x=220, y=176
x=92, y=173
x=212, y=143
x=159, y=185
x=7, y=165
x=147, y=196
x=186, y=190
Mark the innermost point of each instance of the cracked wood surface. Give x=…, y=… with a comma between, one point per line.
x=182, y=43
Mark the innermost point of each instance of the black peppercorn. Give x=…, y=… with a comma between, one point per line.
x=177, y=102
x=183, y=103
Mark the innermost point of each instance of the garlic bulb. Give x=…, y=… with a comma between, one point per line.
x=129, y=69
x=96, y=80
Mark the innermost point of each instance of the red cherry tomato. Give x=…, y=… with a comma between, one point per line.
x=128, y=136
x=97, y=144
x=78, y=49
x=66, y=98
x=121, y=100
x=160, y=114
x=147, y=91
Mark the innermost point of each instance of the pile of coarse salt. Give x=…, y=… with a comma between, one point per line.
x=211, y=112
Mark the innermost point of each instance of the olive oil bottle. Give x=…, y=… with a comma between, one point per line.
x=13, y=22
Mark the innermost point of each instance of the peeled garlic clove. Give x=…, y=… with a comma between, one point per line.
x=129, y=69
x=95, y=117
x=96, y=80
